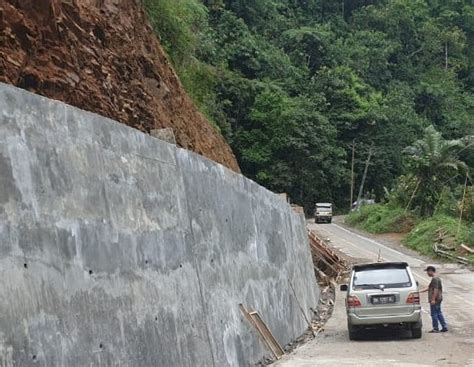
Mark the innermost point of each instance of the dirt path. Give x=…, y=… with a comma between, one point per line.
x=393, y=348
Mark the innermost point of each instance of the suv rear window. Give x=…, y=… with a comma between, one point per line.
x=395, y=277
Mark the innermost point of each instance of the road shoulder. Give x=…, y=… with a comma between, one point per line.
x=332, y=347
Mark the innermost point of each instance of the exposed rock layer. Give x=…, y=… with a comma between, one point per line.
x=102, y=56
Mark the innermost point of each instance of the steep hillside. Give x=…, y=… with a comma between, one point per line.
x=295, y=85
x=102, y=56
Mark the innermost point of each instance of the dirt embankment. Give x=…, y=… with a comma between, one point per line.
x=102, y=56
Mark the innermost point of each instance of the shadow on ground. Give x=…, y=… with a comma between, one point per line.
x=384, y=334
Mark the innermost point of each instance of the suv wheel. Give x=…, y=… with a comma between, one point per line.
x=416, y=330
x=352, y=332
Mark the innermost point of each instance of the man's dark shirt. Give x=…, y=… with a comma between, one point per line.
x=435, y=284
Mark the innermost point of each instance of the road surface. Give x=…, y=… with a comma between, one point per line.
x=393, y=348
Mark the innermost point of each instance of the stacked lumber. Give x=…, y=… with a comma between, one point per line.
x=449, y=253
x=327, y=263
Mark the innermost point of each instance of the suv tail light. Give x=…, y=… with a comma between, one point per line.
x=353, y=301
x=414, y=298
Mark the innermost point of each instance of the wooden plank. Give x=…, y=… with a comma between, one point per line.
x=246, y=313
x=324, y=248
x=323, y=253
x=468, y=249
x=268, y=336
x=449, y=255
x=269, y=340
x=335, y=270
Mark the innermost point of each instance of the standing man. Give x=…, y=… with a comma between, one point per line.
x=435, y=297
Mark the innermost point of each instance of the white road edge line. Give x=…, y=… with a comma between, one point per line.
x=465, y=300
x=378, y=244
x=394, y=251
x=360, y=249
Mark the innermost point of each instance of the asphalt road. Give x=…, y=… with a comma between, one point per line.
x=393, y=348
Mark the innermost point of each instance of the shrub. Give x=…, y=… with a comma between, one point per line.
x=382, y=219
x=422, y=237
x=179, y=23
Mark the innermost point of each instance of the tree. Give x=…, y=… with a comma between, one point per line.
x=434, y=163
x=291, y=148
x=308, y=46
x=293, y=83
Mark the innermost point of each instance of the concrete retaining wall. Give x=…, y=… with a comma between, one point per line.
x=118, y=249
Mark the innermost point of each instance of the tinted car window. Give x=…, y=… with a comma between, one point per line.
x=373, y=278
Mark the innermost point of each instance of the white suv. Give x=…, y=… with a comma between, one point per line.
x=382, y=294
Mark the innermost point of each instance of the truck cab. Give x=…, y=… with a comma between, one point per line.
x=323, y=213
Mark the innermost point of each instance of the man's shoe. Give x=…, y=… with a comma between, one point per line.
x=444, y=330
x=434, y=331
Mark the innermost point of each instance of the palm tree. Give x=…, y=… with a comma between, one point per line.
x=434, y=163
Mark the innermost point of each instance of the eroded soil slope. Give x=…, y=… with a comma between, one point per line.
x=102, y=56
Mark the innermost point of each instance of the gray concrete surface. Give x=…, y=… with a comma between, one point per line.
x=118, y=249
x=393, y=348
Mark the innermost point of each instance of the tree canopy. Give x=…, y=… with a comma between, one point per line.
x=294, y=84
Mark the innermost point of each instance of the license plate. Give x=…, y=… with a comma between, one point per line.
x=382, y=300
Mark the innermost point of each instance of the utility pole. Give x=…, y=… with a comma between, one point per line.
x=462, y=206
x=361, y=188
x=352, y=175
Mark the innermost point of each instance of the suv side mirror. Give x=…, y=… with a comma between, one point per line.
x=417, y=283
x=343, y=288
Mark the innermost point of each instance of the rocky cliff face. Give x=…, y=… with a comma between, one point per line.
x=102, y=56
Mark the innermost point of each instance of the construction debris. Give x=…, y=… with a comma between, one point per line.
x=327, y=263
x=447, y=252
x=330, y=268
x=445, y=246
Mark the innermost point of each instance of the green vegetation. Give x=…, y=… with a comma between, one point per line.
x=427, y=202
x=423, y=235
x=432, y=162
x=382, y=219
x=293, y=84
